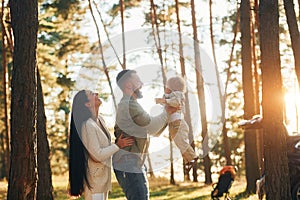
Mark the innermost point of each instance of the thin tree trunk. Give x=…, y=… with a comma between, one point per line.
x=150, y=167
x=122, y=8
x=22, y=177
x=201, y=98
x=294, y=34
x=299, y=10
x=156, y=35
x=259, y=138
x=228, y=75
x=44, y=184
x=156, y=32
x=275, y=152
x=6, y=138
x=251, y=160
x=106, y=32
x=187, y=115
x=215, y=61
x=102, y=55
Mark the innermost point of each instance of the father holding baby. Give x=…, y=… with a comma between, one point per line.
x=133, y=121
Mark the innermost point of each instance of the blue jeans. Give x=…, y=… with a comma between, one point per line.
x=134, y=184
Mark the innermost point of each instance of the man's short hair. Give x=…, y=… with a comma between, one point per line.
x=123, y=76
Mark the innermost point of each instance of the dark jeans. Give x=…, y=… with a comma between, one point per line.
x=134, y=184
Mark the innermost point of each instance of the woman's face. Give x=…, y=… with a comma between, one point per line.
x=94, y=100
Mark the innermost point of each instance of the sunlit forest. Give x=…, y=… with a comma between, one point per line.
x=241, y=63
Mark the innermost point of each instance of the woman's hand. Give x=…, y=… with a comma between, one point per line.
x=124, y=141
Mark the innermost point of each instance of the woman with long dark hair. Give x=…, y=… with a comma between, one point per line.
x=90, y=149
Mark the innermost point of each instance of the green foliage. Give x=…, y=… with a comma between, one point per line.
x=59, y=43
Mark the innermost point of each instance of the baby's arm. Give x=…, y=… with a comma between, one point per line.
x=160, y=100
x=174, y=102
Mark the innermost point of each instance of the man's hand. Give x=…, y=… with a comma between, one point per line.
x=160, y=100
x=170, y=109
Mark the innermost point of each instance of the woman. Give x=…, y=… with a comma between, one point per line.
x=90, y=149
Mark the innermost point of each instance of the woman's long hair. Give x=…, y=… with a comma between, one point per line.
x=77, y=157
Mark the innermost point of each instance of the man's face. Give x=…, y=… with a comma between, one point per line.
x=136, y=84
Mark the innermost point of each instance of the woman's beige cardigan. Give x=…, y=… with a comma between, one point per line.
x=100, y=150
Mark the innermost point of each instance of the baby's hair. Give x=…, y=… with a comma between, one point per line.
x=176, y=83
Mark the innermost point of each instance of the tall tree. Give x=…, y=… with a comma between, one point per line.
x=228, y=75
x=102, y=55
x=44, y=183
x=157, y=41
x=201, y=98
x=187, y=104
x=6, y=139
x=122, y=9
x=22, y=177
x=294, y=34
x=275, y=153
x=252, y=167
x=254, y=35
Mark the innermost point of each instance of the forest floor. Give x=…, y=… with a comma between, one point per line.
x=160, y=189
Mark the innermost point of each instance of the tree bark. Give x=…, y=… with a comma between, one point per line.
x=122, y=8
x=275, y=153
x=102, y=56
x=22, y=177
x=294, y=34
x=251, y=160
x=201, y=98
x=187, y=115
x=44, y=184
x=228, y=75
x=6, y=139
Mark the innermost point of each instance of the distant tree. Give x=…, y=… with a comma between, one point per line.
x=122, y=10
x=275, y=152
x=44, y=182
x=5, y=140
x=187, y=104
x=251, y=160
x=294, y=34
x=201, y=99
x=22, y=177
x=60, y=48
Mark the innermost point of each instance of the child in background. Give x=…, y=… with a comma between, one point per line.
x=178, y=128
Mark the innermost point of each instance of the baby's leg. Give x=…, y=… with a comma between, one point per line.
x=179, y=131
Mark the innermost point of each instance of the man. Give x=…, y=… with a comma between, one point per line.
x=133, y=121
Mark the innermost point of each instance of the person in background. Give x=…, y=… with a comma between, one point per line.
x=91, y=149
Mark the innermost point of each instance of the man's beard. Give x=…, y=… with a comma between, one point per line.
x=138, y=93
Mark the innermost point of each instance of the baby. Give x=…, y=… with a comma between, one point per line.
x=178, y=128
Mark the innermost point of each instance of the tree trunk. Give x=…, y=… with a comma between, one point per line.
x=102, y=56
x=299, y=10
x=228, y=75
x=122, y=8
x=187, y=115
x=44, y=184
x=259, y=138
x=201, y=98
x=22, y=177
x=294, y=34
x=276, y=162
x=251, y=160
x=150, y=167
x=107, y=33
x=6, y=139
